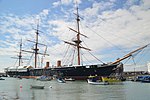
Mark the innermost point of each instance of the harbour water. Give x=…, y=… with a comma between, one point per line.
x=19, y=89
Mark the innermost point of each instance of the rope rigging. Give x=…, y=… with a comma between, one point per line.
x=136, y=54
x=86, y=59
x=70, y=57
x=112, y=44
x=30, y=59
x=65, y=54
x=96, y=57
x=93, y=55
x=105, y=39
x=73, y=56
x=142, y=55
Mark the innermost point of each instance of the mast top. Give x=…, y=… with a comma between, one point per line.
x=36, y=46
x=77, y=41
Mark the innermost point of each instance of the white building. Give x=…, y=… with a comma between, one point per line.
x=148, y=65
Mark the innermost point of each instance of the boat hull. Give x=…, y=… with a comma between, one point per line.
x=37, y=87
x=97, y=83
x=75, y=72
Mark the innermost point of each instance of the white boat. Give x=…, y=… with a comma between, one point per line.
x=44, y=78
x=69, y=79
x=2, y=78
x=97, y=82
x=60, y=80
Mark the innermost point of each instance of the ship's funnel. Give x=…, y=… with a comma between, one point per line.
x=58, y=63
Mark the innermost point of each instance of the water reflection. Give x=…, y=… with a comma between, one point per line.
x=16, y=89
x=33, y=96
x=78, y=90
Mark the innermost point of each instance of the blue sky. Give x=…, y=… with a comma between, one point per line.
x=114, y=28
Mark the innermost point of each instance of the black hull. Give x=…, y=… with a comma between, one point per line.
x=76, y=72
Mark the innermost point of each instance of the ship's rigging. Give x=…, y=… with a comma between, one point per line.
x=83, y=71
x=130, y=54
x=77, y=41
x=19, y=56
x=36, y=49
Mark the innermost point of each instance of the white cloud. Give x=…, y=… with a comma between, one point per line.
x=77, y=1
x=121, y=26
x=66, y=2
x=131, y=2
x=112, y=0
x=61, y=29
x=125, y=28
x=45, y=12
x=56, y=4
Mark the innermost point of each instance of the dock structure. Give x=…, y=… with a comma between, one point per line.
x=134, y=73
x=2, y=74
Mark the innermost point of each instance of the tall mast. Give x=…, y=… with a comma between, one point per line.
x=77, y=41
x=19, y=57
x=20, y=53
x=36, y=48
x=78, y=37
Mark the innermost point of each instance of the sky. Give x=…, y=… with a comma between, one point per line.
x=113, y=27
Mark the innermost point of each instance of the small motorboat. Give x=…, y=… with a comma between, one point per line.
x=95, y=80
x=61, y=80
x=44, y=78
x=138, y=78
x=2, y=78
x=69, y=79
x=111, y=80
x=146, y=79
x=37, y=87
x=19, y=77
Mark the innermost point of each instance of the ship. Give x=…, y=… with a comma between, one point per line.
x=77, y=72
